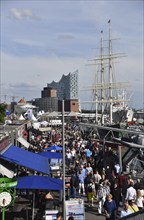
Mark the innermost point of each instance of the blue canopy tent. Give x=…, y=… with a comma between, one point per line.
x=25, y=158
x=51, y=155
x=58, y=148
x=39, y=182
x=54, y=159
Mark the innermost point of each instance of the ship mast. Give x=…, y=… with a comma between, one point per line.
x=102, y=79
x=110, y=73
x=103, y=87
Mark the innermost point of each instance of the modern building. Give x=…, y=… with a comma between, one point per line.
x=67, y=90
x=48, y=101
x=48, y=92
x=52, y=95
x=47, y=104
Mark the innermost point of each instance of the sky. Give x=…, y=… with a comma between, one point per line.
x=42, y=40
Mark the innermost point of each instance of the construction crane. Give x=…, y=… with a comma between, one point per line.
x=5, y=97
x=14, y=97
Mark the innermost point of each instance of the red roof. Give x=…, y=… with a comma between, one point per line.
x=22, y=101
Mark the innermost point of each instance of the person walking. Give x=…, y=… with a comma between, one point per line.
x=131, y=192
x=101, y=197
x=96, y=178
x=90, y=192
x=106, y=185
x=89, y=169
x=74, y=184
x=132, y=206
x=68, y=158
x=139, y=199
x=116, y=193
x=81, y=178
x=125, y=211
x=110, y=208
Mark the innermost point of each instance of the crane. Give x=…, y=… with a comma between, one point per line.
x=14, y=97
x=5, y=97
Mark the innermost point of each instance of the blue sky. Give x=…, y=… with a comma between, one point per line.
x=41, y=40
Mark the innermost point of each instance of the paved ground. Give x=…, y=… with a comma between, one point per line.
x=22, y=208
x=91, y=214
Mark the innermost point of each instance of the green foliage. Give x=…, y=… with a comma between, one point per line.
x=2, y=112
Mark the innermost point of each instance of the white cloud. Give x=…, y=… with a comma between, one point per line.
x=66, y=36
x=72, y=29
x=29, y=42
x=21, y=14
x=27, y=76
x=36, y=71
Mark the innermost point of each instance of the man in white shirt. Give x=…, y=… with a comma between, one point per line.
x=131, y=192
x=73, y=152
x=89, y=168
x=125, y=211
x=68, y=158
x=117, y=169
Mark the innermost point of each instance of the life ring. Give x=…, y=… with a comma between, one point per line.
x=24, y=134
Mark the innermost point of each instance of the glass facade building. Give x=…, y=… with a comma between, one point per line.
x=67, y=87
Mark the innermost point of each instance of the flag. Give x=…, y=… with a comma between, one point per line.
x=109, y=21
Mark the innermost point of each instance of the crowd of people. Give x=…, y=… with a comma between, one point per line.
x=97, y=176
x=95, y=173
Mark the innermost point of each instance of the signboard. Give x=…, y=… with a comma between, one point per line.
x=50, y=214
x=75, y=208
x=20, y=130
x=4, y=142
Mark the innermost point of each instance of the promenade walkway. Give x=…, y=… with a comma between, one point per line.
x=91, y=214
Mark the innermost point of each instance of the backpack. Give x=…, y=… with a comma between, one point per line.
x=90, y=189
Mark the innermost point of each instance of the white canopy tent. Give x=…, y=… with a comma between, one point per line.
x=23, y=142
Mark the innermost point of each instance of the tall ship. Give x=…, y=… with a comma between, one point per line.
x=109, y=97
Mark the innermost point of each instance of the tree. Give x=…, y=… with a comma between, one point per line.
x=2, y=112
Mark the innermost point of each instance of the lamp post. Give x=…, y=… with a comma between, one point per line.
x=63, y=143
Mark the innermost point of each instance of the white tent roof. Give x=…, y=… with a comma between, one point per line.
x=28, y=106
x=53, y=114
x=44, y=123
x=72, y=114
x=33, y=118
x=21, y=117
x=6, y=172
x=36, y=125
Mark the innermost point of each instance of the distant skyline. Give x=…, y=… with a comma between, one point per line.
x=42, y=40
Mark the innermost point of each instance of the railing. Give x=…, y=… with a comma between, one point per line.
x=135, y=216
